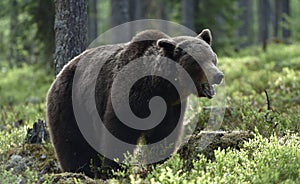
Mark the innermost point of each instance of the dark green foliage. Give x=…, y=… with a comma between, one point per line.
x=28, y=33
x=221, y=18
x=28, y=84
x=41, y=13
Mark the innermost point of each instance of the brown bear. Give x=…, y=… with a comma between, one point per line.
x=193, y=54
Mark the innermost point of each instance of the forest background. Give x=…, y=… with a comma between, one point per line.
x=257, y=42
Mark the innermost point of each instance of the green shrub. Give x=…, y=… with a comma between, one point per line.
x=27, y=84
x=260, y=160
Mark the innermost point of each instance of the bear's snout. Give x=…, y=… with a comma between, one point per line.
x=217, y=79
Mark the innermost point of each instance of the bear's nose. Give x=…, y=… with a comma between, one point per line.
x=218, y=78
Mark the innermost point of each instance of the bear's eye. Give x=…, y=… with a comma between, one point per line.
x=215, y=61
x=179, y=52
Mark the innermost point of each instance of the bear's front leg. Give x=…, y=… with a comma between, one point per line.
x=165, y=137
x=118, y=140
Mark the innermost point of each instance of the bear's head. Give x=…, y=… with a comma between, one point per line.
x=196, y=56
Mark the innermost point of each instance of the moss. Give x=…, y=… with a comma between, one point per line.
x=73, y=178
x=42, y=154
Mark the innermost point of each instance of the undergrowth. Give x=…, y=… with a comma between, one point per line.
x=263, y=96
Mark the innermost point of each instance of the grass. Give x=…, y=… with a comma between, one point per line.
x=272, y=156
x=247, y=78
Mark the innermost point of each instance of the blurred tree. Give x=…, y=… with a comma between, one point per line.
x=222, y=18
x=13, y=56
x=27, y=33
x=188, y=13
x=119, y=12
x=29, y=36
x=92, y=20
x=137, y=12
x=277, y=12
x=131, y=4
x=120, y=15
x=162, y=10
x=286, y=30
x=70, y=31
x=137, y=9
x=162, y=14
x=103, y=16
x=245, y=31
x=41, y=14
x=263, y=32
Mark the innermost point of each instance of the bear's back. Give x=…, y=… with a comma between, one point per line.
x=143, y=44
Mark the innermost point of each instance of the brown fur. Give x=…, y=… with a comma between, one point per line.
x=72, y=150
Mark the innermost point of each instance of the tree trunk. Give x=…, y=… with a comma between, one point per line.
x=263, y=23
x=286, y=32
x=131, y=7
x=137, y=12
x=120, y=15
x=45, y=33
x=139, y=9
x=269, y=16
x=13, y=34
x=188, y=13
x=119, y=12
x=70, y=31
x=245, y=31
x=163, y=16
x=92, y=20
x=277, y=12
x=197, y=24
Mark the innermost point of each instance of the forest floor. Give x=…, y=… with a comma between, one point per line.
x=262, y=98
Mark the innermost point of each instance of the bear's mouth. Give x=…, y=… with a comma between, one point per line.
x=208, y=90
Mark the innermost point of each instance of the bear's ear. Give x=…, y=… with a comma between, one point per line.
x=206, y=36
x=167, y=44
